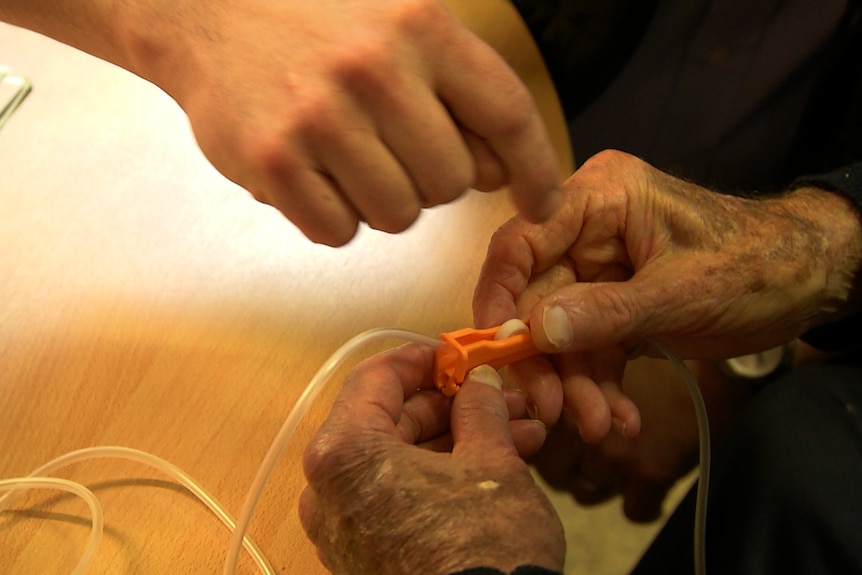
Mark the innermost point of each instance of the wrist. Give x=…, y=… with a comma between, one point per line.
x=159, y=47
x=91, y=27
x=835, y=227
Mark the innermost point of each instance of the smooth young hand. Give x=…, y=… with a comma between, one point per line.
x=339, y=112
x=334, y=112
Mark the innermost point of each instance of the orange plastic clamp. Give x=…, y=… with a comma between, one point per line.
x=462, y=350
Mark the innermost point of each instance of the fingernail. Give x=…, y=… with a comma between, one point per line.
x=558, y=330
x=620, y=426
x=487, y=375
x=532, y=409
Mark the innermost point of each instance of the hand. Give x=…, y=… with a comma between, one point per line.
x=637, y=253
x=336, y=112
x=377, y=503
x=643, y=470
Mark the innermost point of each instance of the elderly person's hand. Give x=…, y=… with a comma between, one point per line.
x=377, y=503
x=636, y=253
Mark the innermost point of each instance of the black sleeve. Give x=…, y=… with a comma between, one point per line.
x=846, y=181
x=522, y=570
x=847, y=333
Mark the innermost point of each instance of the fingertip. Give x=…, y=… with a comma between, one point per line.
x=333, y=227
x=480, y=401
x=487, y=375
x=544, y=206
x=554, y=327
x=626, y=417
x=594, y=432
x=480, y=415
x=593, y=424
x=535, y=182
x=397, y=217
x=529, y=436
x=628, y=427
x=333, y=238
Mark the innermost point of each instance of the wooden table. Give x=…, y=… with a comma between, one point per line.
x=147, y=302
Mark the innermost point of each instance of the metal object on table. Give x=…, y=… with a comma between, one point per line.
x=13, y=89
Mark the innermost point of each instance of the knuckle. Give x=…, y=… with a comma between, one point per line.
x=612, y=161
x=269, y=153
x=368, y=65
x=317, y=117
x=418, y=16
x=619, y=309
x=327, y=457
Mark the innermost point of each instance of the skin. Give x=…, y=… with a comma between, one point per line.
x=334, y=112
x=377, y=503
x=636, y=253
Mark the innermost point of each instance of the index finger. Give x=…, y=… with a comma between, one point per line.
x=513, y=257
x=374, y=392
x=486, y=96
x=517, y=252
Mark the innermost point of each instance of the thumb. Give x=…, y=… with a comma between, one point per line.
x=480, y=417
x=588, y=316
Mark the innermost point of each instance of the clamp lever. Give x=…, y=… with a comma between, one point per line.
x=462, y=350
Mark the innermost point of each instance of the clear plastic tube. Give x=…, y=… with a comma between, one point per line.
x=295, y=416
x=33, y=482
x=155, y=462
x=704, y=454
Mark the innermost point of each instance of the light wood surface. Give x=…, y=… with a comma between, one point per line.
x=147, y=302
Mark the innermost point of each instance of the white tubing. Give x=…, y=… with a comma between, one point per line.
x=97, y=521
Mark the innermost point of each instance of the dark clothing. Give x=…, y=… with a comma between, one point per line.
x=785, y=491
x=721, y=92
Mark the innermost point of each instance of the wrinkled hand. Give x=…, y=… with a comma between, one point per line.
x=378, y=504
x=643, y=470
x=636, y=253
x=337, y=112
